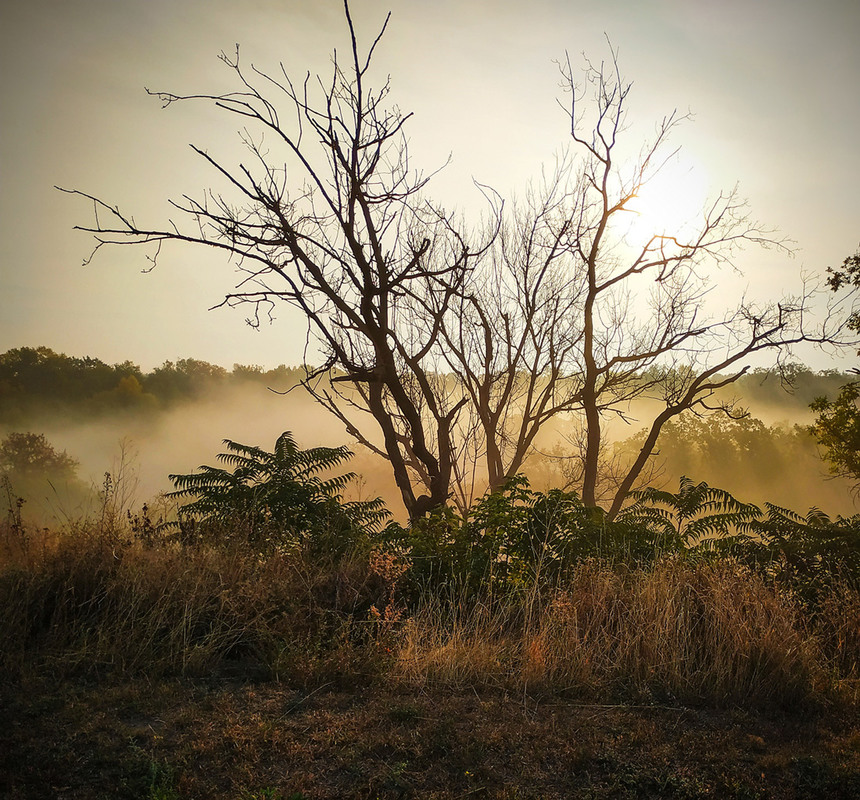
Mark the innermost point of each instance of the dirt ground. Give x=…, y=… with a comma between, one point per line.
x=265, y=741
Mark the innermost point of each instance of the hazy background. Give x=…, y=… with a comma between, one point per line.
x=763, y=458
x=773, y=86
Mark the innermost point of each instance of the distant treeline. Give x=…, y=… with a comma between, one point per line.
x=35, y=381
x=769, y=456
x=795, y=386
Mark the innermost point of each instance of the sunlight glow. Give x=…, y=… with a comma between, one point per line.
x=671, y=202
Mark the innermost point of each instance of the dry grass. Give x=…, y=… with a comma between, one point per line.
x=712, y=633
x=584, y=689
x=151, y=670
x=93, y=601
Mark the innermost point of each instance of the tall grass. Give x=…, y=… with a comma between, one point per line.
x=707, y=632
x=96, y=600
x=90, y=600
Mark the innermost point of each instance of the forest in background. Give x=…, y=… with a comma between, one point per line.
x=141, y=426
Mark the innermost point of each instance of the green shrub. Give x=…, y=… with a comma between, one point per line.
x=276, y=499
x=516, y=537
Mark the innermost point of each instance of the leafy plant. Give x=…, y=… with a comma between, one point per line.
x=806, y=551
x=690, y=515
x=516, y=537
x=162, y=782
x=837, y=429
x=279, y=497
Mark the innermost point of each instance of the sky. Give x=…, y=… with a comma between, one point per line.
x=771, y=84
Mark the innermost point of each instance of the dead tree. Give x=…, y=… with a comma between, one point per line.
x=512, y=334
x=329, y=216
x=651, y=328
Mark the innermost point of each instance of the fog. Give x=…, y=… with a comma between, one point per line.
x=141, y=451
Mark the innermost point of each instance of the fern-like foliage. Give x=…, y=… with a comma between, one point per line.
x=807, y=548
x=516, y=537
x=693, y=514
x=277, y=495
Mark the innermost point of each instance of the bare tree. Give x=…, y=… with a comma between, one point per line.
x=565, y=315
x=352, y=242
x=511, y=336
x=647, y=330
x=459, y=348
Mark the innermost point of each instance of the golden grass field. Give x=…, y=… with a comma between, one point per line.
x=166, y=671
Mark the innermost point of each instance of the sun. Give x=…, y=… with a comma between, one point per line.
x=670, y=203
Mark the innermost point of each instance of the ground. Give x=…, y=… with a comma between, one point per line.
x=177, y=738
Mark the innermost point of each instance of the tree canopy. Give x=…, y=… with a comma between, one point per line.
x=30, y=454
x=837, y=426
x=37, y=382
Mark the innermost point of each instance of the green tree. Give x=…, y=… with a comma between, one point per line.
x=837, y=429
x=837, y=426
x=848, y=275
x=183, y=379
x=760, y=463
x=36, y=380
x=31, y=454
x=42, y=476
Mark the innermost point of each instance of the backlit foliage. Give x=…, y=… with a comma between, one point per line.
x=277, y=497
x=837, y=429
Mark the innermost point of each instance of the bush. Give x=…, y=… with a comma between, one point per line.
x=276, y=499
x=516, y=537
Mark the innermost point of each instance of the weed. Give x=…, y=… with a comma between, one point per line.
x=405, y=713
x=162, y=782
x=272, y=794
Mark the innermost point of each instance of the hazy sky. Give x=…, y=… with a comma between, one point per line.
x=773, y=85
